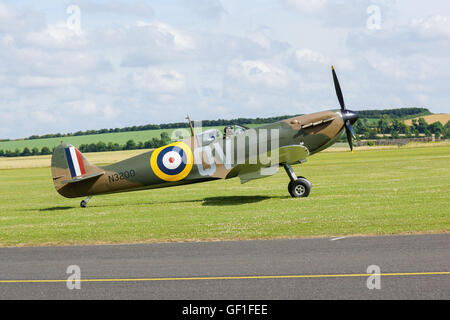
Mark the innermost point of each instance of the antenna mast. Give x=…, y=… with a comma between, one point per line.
x=190, y=125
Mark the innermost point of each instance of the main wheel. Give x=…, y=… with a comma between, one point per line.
x=83, y=204
x=299, y=188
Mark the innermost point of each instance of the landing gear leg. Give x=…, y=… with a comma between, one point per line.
x=84, y=203
x=298, y=187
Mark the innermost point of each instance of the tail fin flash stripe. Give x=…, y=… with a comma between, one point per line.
x=75, y=162
x=80, y=162
x=70, y=162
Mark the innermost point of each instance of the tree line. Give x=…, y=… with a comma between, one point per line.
x=394, y=113
x=26, y=152
x=371, y=124
x=395, y=127
x=386, y=125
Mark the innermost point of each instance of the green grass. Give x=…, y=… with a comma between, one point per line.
x=403, y=190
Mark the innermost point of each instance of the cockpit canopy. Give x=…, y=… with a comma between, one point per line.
x=208, y=136
x=233, y=130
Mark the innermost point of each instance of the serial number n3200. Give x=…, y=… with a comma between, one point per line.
x=121, y=175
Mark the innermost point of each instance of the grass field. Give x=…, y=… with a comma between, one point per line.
x=442, y=118
x=391, y=191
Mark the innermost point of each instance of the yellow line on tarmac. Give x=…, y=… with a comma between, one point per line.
x=236, y=277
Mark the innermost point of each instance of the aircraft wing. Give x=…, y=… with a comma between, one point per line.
x=292, y=154
x=287, y=154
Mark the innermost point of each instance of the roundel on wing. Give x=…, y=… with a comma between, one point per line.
x=172, y=162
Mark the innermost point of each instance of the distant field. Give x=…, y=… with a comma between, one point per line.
x=119, y=137
x=442, y=118
x=390, y=191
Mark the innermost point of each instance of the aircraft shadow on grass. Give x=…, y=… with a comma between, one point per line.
x=56, y=208
x=209, y=201
x=229, y=200
x=233, y=200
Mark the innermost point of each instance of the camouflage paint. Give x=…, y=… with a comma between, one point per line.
x=314, y=132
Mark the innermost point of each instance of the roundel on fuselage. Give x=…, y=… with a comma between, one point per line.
x=172, y=162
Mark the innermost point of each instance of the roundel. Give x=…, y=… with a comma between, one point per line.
x=172, y=162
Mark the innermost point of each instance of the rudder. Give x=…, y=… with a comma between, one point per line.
x=69, y=166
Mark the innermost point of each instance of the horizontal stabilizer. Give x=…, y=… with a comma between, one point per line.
x=82, y=178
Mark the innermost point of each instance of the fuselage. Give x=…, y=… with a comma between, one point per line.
x=218, y=159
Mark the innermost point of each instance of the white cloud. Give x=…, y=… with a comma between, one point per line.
x=90, y=108
x=433, y=27
x=309, y=56
x=341, y=13
x=164, y=33
x=210, y=9
x=261, y=39
x=57, y=36
x=119, y=7
x=257, y=73
x=42, y=82
x=415, y=67
x=18, y=21
x=308, y=6
x=56, y=63
x=159, y=81
x=44, y=116
x=212, y=61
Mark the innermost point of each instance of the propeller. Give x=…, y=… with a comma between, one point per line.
x=349, y=117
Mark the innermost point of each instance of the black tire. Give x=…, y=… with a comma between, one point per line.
x=299, y=188
x=83, y=204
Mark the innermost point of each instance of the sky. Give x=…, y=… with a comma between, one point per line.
x=78, y=65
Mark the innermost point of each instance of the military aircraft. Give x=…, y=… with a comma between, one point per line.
x=240, y=152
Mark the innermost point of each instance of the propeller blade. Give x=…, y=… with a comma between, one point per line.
x=349, y=126
x=350, y=133
x=338, y=89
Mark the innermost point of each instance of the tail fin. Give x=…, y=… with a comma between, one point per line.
x=70, y=167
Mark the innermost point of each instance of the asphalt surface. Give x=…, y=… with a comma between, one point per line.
x=324, y=268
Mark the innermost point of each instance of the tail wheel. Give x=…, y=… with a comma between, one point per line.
x=84, y=202
x=299, y=188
